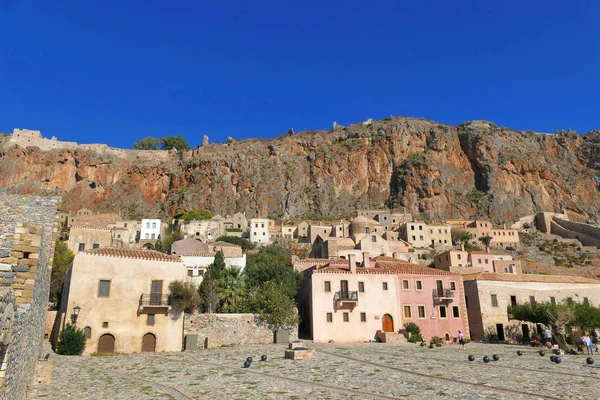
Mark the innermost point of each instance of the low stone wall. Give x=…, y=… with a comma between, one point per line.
x=575, y=230
x=216, y=330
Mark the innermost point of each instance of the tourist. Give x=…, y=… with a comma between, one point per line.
x=594, y=336
x=548, y=338
x=461, y=340
x=589, y=345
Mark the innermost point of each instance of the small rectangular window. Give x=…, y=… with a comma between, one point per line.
x=419, y=285
x=105, y=324
x=443, y=312
x=104, y=288
x=81, y=247
x=532, y=299
x=361, y=287
x=150, y=320
x=459, y=256
x=385, y=287
x=190, y=272
x=363, y=317
x=513, y=300
x=327, y=286
x=452, y=285
x=553, y=300
x=421, y=312
x=494, y=300
x=346, y=317
x=147, y=225
x=407, y=312
x=96, y=246
x=586, y=301
x=455, y=312
x=374, y=239
x=405, y=284
x=154, y=225
x=329, y=317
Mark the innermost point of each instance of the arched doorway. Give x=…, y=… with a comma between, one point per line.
x=388, y=323
x=106, y=344
x=148, y=343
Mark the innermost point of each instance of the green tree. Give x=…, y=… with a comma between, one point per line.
x=233, y=289
x=174, y=142
x=271, y=264
x=486, y=240
x=184, y=295
x=212, y=285
x=460, y=236
x=587, y=316
x=243, y=243
x=555, y=316
x=147, y=143
x=63, y=260
x=415, y=332
x=191, y=215
x=71, y=341
x=272, y=304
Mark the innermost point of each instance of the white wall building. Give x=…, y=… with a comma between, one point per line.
x=151, y=229
x=259, y=231
x=196, y=264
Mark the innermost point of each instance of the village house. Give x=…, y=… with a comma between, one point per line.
x=259, y=231
x=344, y=302
x=120, y=298
x=439, y=236
x=415, y=233
x=87, y=237
x=501, y=237
x=463, y=262
x=84, y=216
x=150, y=230
x=392, y=221
x=205, y=231
x=196, y=264
x=488, y=296
x=188, y=245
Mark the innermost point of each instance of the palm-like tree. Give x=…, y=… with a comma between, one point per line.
x=233, y=290
x=485, y=240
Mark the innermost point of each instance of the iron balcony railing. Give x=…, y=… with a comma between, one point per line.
x=155, y=300
x=346, y=296
x=443, y=294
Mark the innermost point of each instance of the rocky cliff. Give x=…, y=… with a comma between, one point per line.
x=435, y=171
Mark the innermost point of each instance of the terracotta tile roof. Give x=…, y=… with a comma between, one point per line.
x=224, y=244
x=386, y=267
x=385, y=259
x=494, y=276
x=94, y=227
x=138, y=254
x=313, y=260
x=200, y=254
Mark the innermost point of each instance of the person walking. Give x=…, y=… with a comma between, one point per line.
x=548, y=338
x=461, y=340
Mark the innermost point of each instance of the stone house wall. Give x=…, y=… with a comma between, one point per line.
x=28, y=227
x=216, y=330
x=587, y=234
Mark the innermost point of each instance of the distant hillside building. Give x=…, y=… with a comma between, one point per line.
x=259, y=231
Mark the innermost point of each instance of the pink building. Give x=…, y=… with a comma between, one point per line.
x=482, y=260
x=345, y=302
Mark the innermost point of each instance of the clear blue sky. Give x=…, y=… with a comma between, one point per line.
x=116, y=71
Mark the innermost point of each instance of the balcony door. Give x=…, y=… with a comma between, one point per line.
x=156, y=292
x=344, y=289
x=440, y=287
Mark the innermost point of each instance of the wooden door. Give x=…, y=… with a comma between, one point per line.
x=388, y=323
x=106, y=344
x=156, y=293
x=148, y=343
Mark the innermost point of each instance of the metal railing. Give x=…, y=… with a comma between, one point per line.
x=346, y=296
x=154, y=300
x=443, y=294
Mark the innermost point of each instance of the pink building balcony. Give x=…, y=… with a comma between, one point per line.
x=441, y=295
x=346, y=297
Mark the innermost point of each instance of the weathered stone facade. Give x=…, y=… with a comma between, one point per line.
x=216, y=330
x=28, y=227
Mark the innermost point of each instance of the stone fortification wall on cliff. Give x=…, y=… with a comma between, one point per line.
x=25, y=138
x=28, y=227
x=588, y=235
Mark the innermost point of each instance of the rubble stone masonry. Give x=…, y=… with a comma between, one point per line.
x=28, y=227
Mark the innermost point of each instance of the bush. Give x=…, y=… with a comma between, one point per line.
x=415, y=332
x=71, y=341
x=436, y=340
x=184, y=295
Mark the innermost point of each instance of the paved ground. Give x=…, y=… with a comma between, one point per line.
x=356, y=371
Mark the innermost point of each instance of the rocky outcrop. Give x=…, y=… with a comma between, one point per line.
x=436, y=171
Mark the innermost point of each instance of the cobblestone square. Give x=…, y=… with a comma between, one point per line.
x=358, y=370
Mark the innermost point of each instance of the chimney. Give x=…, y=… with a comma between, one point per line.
x=366, y=259
x=352, y=262
x=462, y=246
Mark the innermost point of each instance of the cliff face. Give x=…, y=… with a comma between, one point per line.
x=435, y=171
